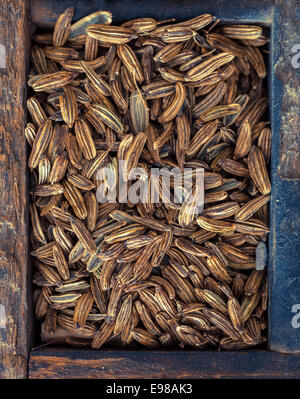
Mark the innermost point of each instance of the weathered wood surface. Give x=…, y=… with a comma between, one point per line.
x=14, y=314
x=284, y=260
x=286, y=69
x=80, y=363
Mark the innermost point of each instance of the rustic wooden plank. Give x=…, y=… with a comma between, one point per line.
x=286, y=70
x=284, y=260
x=14, y=314
x=44, y=12
x=69, y=363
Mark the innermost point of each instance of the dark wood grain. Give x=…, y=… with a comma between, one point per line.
x=80, y=363
x=15, y=326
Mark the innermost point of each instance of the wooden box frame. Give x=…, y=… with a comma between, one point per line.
x=17, y=358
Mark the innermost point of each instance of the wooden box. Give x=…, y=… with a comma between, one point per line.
x=18, y=356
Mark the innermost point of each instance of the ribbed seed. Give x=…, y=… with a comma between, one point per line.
x=62, y=27
x=36, y=225
x=85, y=139
x=81, y=182
x=131, y=62
x=108, y=117
x=124, y=315
x=253, y=282
x=222, y=322
x=38, y=60
x=256, y=60
x=65, y=298
x=208, y=66
x=96, y=80
x=141, y=25
x=59, y=168
x=233, y=167
x=110, y=34
x=176, y=34
x=60, y=261
x=75, y=199
x=242, y=31
x=258, y=170
x=233, y=254
x=36, y=111
x=40, y=144
x=213, y=299
x=175, y=105
x=44, y=169
x=46, y=190
x=219, y=112
x=158, y=89
x=54, y=80
x=90, y=49
x=222, y=211
x=139, y=112
x=144, y=337
x=235, y=314
x=59, y=54
x=249, y=303
x=264, y=143
x=223, y=43
x=198, y=22
x=102, y=335
x=211, y=100
x=168, y=52
x=30, y=133
x=82, y=308
x=243, y=142
x=218, y=269
x=247, y=210
x=217, y=226
x=68, y=106
x=201, y=137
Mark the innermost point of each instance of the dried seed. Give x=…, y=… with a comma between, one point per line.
x=253, y=282
x=54, y=80
x=208, y=66
x=258, y=170
x=131, y=62
x=248, y=32
x=139, y=112
x=175, y=105
x=222, y=322
x=102, y=335
x=180, y=271
x=40, y=144
x=243, y=142
x=108, y=117
x=144, y=337
x=110, y=34
x=75, y=199
x=217, y=226
x=83, y=234
x=96, y=80
x=247, y=210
